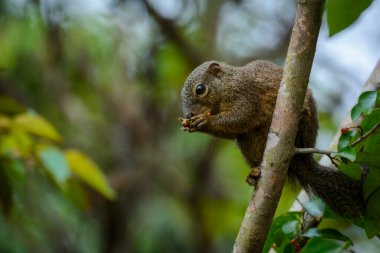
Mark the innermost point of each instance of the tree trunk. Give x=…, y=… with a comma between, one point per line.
x=280, y=143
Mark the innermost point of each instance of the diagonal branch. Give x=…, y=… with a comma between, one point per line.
x=374, y=128
x=283, y=130
x=171, y=32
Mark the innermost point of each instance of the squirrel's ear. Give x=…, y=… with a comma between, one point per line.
x=214, y=69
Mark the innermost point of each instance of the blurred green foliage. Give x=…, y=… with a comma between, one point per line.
x=28, y=141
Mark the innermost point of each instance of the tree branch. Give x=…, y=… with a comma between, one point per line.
x=280, y=143
x=171, y=32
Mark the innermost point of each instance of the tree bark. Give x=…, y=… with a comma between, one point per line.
x=280, y=143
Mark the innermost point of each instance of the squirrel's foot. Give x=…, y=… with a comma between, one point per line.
x=253, y=176
x=199, y=121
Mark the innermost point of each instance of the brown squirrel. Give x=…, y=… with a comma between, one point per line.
x=238, y=103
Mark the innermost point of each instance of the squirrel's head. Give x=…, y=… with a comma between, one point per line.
x=202, y=89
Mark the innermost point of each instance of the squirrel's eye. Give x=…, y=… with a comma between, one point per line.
x=200, y=89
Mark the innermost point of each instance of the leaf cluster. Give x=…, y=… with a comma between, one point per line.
x=288, y=233
x=358, y=155
x=29, y=143
x=359, y=147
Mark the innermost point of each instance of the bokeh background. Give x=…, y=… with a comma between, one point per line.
x=108, y=74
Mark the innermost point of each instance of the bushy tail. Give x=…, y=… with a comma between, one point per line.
x=340, y=192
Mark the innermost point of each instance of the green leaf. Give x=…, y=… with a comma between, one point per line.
x=367, y=101
x=322, y=245
x=345, y=139
x=328, y=233
x=372, y=215
x=288, y=248
x=372, y=183
x=366, y=104
x=89, y=172
x=291, y=228
x=347, y=152
x=37, y=125
x=372, y=143
x=371, y=120
x=372, y=227
x=276, y=228
x=351, y=169
x=342, y=13
x=279, y=237
x=55, y=162
x=356, y=111
x=371, y=159
x=315, y=207
x=283, y=247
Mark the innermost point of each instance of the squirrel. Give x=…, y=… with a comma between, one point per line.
x=238, y=103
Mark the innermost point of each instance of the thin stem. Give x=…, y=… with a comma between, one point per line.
x=366, y=134
x=312, y=151
x=317, y=151
x=328, y=152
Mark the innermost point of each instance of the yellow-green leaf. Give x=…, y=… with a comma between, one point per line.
x=17, y=143
x=37, y=125
x=89, y=172
x=4, y=121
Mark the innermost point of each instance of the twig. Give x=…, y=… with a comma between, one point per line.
x=312, y=151
x=366, y=134
x=328, y=153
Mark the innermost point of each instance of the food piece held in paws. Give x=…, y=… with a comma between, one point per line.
x=185, y=123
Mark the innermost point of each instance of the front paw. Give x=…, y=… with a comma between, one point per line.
x=253, y=176
x=199, y=122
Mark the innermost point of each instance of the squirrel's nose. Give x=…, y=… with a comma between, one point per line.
x=189, y=115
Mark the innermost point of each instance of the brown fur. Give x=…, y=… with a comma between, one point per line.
x=241, y=101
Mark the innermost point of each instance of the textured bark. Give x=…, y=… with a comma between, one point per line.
x=284, y=127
